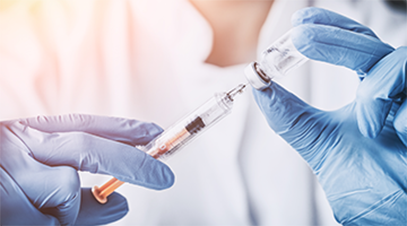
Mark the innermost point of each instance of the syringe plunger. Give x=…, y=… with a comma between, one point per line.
x=181, y=133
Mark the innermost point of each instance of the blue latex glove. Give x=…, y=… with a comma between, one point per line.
x=326, y=36
x=363, y=172
x=40, y=158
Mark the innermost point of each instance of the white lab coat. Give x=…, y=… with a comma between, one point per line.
x=146, y=60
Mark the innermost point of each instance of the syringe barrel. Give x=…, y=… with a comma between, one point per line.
x=178, y=135
x=184, y=131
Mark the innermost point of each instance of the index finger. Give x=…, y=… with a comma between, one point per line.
x=338, y=46
x=94, y=154
x=128, y=131
x=314, y=15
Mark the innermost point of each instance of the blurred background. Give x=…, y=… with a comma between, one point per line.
x=156, y=61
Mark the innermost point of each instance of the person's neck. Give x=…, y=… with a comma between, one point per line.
x=236, y=26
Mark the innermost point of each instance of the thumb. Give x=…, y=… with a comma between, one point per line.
x=295, y=121
x=385, y=85
x=16, y=208
x=93, y=213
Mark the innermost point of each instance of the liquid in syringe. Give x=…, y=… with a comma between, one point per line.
x=277, y=60
x=180, y=134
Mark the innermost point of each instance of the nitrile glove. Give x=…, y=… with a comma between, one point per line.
x=40, y=158
x=363, y=172
x=326, y=36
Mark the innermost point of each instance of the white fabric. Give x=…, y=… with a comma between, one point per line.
x=145, y=60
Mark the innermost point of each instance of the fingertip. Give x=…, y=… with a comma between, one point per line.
x=94, y=213
x=370, y=120
x=168, y=177
x=264, y=98
x=119, y=208
x=146, y=131
x=371, y=110
x=150, y=173
x=64, y=203
x=320, y=42
x=160, y=176
x=400, y=123
x=115, y=209
x=304, y=16
x=154, y=129
x=304, y=39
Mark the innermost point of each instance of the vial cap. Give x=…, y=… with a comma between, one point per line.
x=256, y=77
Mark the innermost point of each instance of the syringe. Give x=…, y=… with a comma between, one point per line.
x=180, y=134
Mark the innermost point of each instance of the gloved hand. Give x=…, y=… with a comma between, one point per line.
x=40, y=158
x=357, y=152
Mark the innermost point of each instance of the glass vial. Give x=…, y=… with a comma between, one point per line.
x=277, y=60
